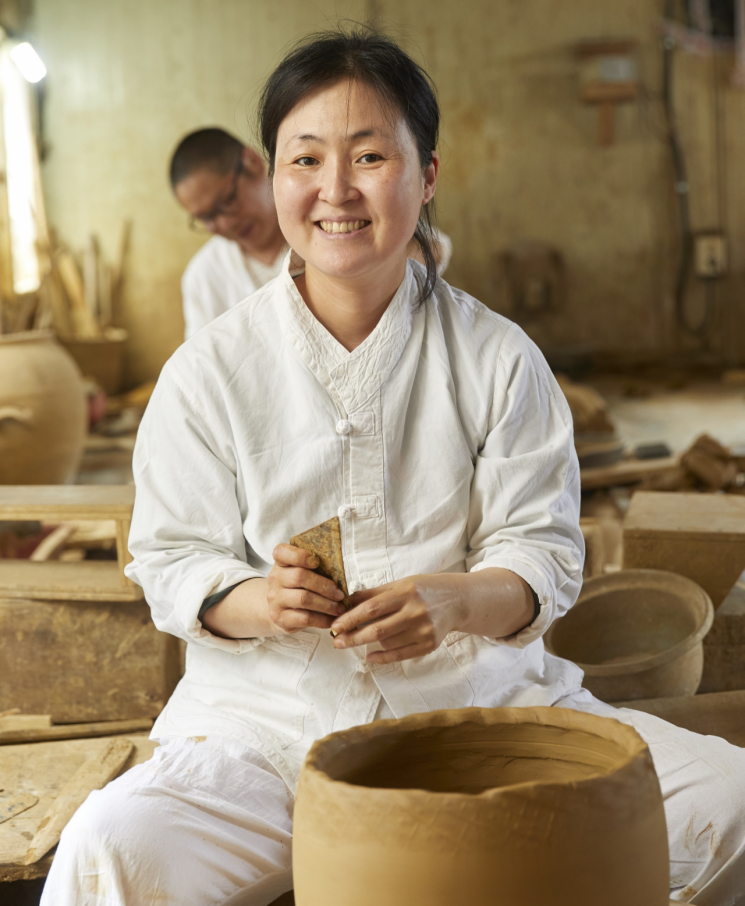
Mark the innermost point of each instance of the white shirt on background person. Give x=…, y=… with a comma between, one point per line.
x=443, y=442
x=218, y=277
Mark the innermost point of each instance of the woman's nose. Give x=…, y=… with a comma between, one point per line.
x=337, y=185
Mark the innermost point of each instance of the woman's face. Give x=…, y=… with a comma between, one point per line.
x=348, y=183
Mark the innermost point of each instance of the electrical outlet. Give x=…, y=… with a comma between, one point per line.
x=710, y=255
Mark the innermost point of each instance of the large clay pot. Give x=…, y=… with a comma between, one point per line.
x=42, y=410
x=520, y=806
x=636, y=634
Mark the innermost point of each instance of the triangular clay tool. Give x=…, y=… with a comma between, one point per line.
x=324, y=541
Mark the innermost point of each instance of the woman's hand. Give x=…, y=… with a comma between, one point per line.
x=409, y=618
x=298, y=598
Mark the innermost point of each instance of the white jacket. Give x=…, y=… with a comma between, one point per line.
x=443, y=438
x=217, y=278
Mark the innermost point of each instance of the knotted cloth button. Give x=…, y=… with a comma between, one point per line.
x=344, y=511
x=343, y=427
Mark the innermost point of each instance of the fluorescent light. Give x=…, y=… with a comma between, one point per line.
x=28, y=62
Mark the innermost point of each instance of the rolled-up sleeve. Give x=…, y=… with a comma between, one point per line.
x=525, y=495
x=186, y=538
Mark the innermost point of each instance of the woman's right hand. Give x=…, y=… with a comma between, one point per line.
x=297, y=597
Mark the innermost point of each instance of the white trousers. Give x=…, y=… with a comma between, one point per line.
x=204, y=822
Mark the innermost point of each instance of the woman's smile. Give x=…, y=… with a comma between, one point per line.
x=343, y=228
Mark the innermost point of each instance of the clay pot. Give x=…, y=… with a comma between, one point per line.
x=636, y=634
x=43, y=412
x=521, y=806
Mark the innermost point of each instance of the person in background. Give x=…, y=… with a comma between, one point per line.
x=224, y=187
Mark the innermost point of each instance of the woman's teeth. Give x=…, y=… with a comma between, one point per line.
x=346, y=226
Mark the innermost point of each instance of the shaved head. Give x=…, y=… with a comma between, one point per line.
x=206, y=149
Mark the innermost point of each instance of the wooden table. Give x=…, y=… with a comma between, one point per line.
x=43, y=768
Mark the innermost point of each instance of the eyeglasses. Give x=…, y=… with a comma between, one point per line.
x=228, y=207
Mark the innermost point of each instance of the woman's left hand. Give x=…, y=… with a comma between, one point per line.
x=409, y=618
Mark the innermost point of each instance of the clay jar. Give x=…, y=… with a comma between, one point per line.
x=508, y=806
x=637, y=633
x=42, y=410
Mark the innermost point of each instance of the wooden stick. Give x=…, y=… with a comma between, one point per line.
x=53, y=543
x=92, y=775
x=73, y=731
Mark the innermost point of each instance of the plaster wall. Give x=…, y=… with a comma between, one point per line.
x=520, y=153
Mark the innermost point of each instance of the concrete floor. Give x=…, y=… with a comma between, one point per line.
x=675, y=416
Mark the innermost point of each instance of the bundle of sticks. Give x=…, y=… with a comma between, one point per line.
x=78, y=294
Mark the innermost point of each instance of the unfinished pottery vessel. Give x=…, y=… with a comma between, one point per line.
x=43, y=415
x=521, y=806
x=636, y=634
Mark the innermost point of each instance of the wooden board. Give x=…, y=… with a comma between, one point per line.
x=103, y=764
x=628, y=471
x=690, y=515
x=58, y=503
x=714, y=714
x=84, y=661
x=87, y=580
x=701, y=536
x=73, y=731
x=42, y=769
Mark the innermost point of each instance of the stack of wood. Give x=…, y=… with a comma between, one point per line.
x=706, y=465
x=80, y=302
x=78, y=294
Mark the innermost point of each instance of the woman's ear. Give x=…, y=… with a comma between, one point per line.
x=430, y=178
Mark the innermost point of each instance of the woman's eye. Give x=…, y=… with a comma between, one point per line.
x=306, y=161
x=370, y=158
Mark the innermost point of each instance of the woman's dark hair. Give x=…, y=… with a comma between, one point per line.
x=360, y=54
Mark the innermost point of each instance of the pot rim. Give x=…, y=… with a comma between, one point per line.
x=655, y=577
x=629, y=741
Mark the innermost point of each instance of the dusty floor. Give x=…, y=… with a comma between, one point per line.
x=648, y=413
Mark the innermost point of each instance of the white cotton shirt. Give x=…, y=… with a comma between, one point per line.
x=218, y=277
x=444, y=443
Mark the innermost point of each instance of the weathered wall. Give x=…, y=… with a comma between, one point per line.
x=520, y=152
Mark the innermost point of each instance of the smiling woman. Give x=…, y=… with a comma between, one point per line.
x=365, y=76
x=358, y=386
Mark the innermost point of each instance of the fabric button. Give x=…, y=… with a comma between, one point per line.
x=344, y=511
x=343, y=426
x=362, y=666
x=354, y=587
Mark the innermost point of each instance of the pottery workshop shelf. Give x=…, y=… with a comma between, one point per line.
x=55, y=581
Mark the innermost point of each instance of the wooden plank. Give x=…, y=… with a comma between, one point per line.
x=93, y=774
x=12, y=804
x=714, y=714
x=123, y=555
x=85, y=662
x=87, y=580
x=60, y=503
x=680, y=514
x=628, y=471
x=73, y=731
x=43, y=768
x=14, y=722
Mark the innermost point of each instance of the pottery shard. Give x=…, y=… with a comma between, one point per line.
x=324, y=541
